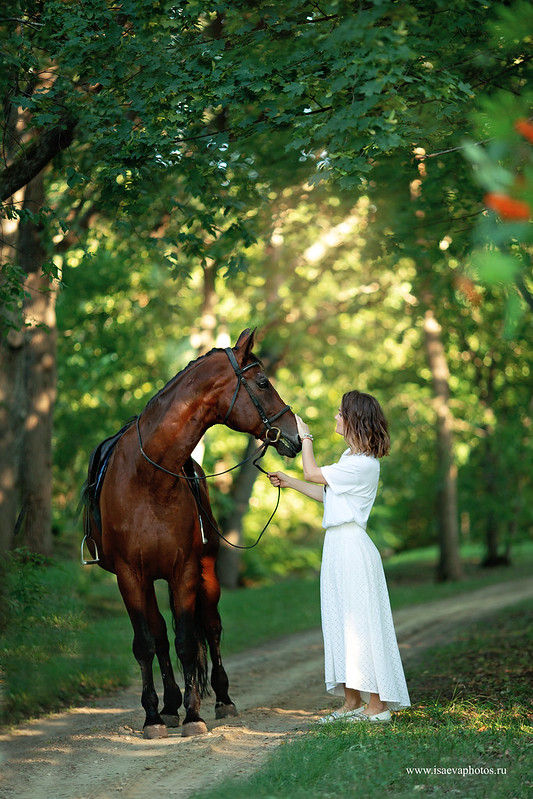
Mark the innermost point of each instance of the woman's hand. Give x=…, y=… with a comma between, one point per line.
x=278, y=479
x=303, y=428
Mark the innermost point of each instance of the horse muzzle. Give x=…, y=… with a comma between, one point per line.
x=286, y=445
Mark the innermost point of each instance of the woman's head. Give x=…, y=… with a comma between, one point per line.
x=364, y=425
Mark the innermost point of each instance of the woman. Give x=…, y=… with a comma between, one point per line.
x=362, y=660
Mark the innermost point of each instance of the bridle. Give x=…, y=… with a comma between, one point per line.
x=241, y=381
x=254, y=457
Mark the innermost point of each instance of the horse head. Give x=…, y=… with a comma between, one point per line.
x=253, y=404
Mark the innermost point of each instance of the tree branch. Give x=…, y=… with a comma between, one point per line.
x=36, y=156
x=524, y=291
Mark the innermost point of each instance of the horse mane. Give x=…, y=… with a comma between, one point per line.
x=179, y=375
x=101, y=454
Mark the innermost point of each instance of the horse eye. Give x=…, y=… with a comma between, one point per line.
x=262, y=381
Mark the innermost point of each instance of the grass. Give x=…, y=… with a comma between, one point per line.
x=468, y=733
x=52, y=651
x=68, y=637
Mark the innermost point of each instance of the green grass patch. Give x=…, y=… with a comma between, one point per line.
x=468, y=733
x=411, y=575
x=255, y=615
x=55, y=649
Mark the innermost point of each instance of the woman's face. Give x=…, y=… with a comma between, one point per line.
x=340, y=423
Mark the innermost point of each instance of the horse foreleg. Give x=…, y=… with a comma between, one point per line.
x=144, y=647
x=209, y=597
x=171, y=693
x=190, y=649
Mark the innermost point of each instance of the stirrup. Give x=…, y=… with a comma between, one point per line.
x=82, y=557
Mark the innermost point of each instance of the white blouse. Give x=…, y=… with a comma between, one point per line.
x=351, y=489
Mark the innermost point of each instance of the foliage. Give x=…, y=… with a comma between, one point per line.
x=503, y=166
x=52, y=653
x=474, y=742
x=219, y=97
x=317, y=146
x=330, y=319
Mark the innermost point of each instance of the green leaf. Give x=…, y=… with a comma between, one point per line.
x=514, y=311
x=493, y=266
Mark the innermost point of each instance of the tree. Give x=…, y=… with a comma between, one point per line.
x=69, y=74
x=118, y=100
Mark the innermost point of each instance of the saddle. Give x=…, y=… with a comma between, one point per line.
x=90, y=493
x=99, y=460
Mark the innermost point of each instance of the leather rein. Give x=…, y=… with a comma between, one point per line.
x=272, y=436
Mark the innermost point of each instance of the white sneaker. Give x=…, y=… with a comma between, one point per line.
x=385, y=716
x=338, y=715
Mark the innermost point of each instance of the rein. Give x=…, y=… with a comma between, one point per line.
x=258, y=454
x=196, y=493
x=254, y=457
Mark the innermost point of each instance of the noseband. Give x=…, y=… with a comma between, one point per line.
x=272, y=434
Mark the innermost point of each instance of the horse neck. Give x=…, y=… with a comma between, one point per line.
x=175, y=420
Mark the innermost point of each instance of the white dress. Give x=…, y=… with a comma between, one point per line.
x=360, y=646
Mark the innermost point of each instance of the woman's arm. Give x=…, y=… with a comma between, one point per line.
x=312, y=470
x=285, y=481
x=314, y=481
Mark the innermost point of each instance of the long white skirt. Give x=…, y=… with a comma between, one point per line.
x=360, y=646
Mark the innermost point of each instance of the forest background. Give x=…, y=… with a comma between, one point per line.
x=354, y=180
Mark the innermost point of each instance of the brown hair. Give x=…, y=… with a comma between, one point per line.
x=365, y=426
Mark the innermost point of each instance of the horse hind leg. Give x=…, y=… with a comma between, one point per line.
x=144, y=648
x=190, y=648
x=224, y=707
x=209, y=597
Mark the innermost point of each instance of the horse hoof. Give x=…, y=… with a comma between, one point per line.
x=225, y=711
x=194, y=728
x=171, y=721
x=152, y=731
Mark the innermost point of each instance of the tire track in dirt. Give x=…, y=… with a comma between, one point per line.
x=97, y=752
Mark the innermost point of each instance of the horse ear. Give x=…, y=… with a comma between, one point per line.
x=246, y=342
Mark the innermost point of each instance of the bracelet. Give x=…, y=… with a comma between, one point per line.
x=307, y=435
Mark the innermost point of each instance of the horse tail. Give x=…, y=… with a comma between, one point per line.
x=199, y=667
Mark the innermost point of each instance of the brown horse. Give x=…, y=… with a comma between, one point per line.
x=147, y=518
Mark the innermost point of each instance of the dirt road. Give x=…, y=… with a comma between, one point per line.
x=97, y=752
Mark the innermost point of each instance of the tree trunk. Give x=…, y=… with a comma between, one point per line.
x=492, y=484
x=229, y=558
x=11, y=397
x=39, y=380
x=449, y=566
x=493, y=522
x=205, y=338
